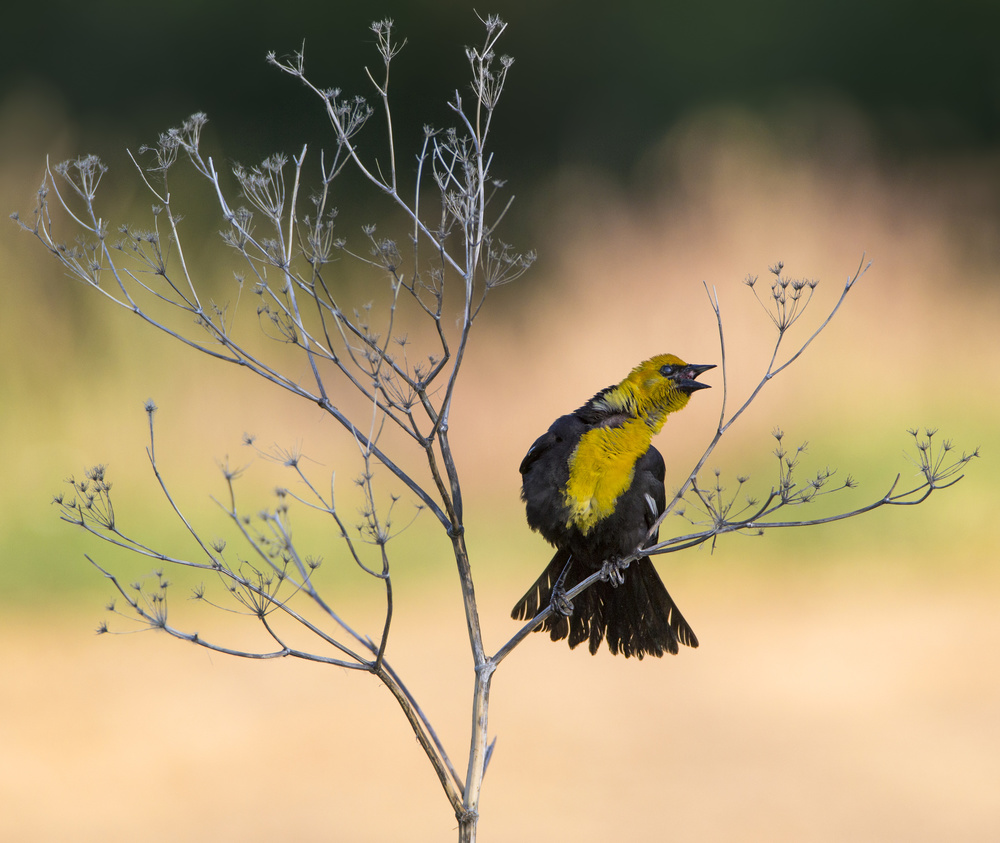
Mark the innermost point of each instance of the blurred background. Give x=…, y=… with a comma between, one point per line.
x=847, y=685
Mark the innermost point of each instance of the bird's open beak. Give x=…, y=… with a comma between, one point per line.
x=686, y=377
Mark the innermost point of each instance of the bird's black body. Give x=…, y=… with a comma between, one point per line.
x=638, y=616
x=545, y=473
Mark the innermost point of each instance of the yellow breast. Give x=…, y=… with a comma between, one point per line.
x=601, y=468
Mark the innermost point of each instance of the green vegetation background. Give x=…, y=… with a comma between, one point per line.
x=899, y=93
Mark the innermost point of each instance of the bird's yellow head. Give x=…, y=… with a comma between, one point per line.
x=660, y=386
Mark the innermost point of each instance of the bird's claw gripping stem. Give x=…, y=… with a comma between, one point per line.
x=560, y=602
x=611, y=572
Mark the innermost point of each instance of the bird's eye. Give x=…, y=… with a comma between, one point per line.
x=668, y=370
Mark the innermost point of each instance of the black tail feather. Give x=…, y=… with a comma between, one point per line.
x=638, y=618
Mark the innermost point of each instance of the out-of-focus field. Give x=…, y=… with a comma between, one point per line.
x=847, y=686
x=837, y=706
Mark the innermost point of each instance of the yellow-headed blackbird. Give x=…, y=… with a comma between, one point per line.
x=593, y=486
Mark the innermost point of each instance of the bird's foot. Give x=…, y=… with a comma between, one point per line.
x=560, y=602
x=612, y=572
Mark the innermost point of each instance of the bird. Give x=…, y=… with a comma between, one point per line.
x=592, y=486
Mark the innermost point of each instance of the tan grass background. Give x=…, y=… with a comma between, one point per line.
x=847, y=687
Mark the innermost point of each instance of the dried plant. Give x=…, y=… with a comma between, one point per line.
x=452, y=258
